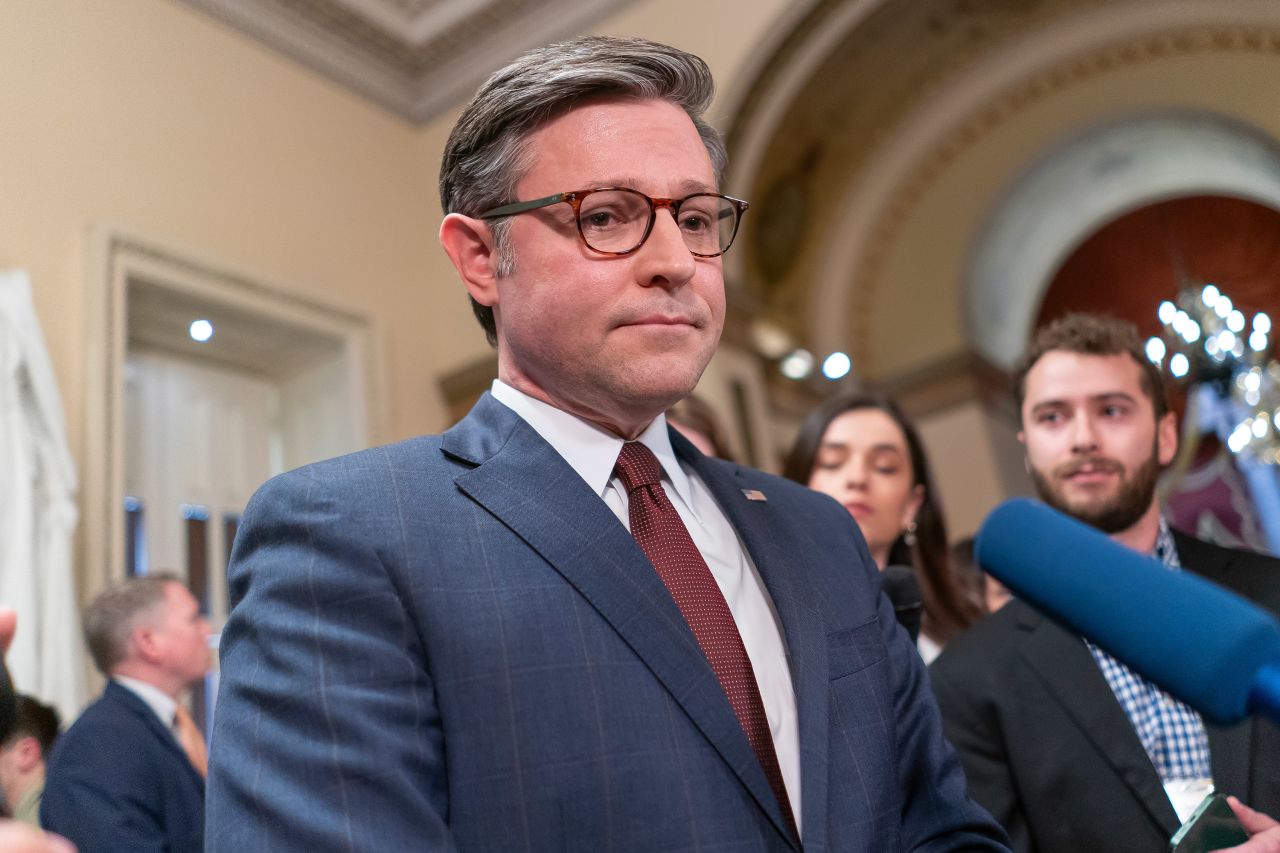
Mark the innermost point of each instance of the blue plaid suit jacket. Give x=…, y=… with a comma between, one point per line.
x=451, y=643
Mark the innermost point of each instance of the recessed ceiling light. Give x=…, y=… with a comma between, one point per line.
x=201, y=330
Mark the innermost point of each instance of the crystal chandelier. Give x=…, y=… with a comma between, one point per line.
x=1208, y=340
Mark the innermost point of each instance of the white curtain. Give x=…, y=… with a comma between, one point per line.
x=37, y=509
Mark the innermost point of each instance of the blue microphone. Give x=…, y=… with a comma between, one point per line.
x=1204, y=645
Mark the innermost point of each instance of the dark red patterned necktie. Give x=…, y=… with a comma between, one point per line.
x=662, y=536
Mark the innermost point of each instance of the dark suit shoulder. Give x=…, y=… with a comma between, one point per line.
x=358, y=482
x=987, y=645
x=105, y=712
x=116, y=710
x=110, y=739
x=772, y=484
x=373, y=460
x=1248, y=573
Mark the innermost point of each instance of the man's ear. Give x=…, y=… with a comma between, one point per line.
x=469, y=244
x=143, y=641
x=1167, y=438
x=26, y=751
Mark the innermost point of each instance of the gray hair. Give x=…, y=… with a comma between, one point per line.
x=484, y=158
x=113, y=615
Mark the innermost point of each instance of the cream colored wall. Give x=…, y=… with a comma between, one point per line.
x=148, y=115
x=153, y=117
x=968, y=454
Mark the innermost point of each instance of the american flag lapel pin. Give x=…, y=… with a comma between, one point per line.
x=754, y=495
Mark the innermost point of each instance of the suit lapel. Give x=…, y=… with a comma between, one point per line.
x=1068, y=670
x=779, y=560
x=527, y=486
x=130, y=701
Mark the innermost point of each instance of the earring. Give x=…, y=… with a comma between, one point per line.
x=909, y=535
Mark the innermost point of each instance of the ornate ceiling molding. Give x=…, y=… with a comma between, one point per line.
x=881, y=192
x=1051, y=81
x=416, y=58
x=1092, y=179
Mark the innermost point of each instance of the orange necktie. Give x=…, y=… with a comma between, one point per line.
x=192, y=741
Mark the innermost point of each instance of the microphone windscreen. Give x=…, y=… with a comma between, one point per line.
x=1197, y=641
x=903, y=589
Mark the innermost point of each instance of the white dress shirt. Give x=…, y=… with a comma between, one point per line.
x=156, y=699
x=592, y=453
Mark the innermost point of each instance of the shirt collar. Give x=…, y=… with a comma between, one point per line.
x=156, y=699
x=1166, y=551
x=589, y=450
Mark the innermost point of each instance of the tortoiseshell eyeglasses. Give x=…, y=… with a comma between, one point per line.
x=617, y=220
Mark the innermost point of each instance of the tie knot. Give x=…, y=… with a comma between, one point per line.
x=637, y=466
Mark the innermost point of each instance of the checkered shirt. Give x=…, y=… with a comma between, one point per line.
x=1172, y=734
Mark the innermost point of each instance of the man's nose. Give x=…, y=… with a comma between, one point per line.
x=664, y=260
x=1084, y=435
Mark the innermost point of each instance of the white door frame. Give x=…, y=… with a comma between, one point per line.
x=117, y=257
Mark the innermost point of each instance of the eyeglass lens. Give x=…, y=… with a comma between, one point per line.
x=616, y=220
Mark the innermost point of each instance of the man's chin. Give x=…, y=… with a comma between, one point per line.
x=664, y=377
x=1110, y=515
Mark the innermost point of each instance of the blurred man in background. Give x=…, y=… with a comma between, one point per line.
x=129, y=773
x=23, y=755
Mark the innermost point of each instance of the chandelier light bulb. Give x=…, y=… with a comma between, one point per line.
x=836, y=366
x=1239, y=437
x=1242, y=381
x=797, y=364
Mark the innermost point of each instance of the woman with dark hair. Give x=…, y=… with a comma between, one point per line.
x=863, y=452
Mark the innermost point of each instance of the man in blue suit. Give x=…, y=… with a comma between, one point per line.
x=126, y=775
x=558, y=626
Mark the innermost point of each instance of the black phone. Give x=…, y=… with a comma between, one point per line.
x=1212, y=826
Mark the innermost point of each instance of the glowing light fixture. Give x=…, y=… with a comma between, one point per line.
x=836, y=366
x=201, y=330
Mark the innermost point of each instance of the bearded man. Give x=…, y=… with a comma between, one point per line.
x=1063, y=744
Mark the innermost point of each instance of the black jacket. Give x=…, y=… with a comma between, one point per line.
x=1048, y=749
x=118, y=780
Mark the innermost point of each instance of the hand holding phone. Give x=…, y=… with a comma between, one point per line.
x=1212, y=826
x=1264, y=830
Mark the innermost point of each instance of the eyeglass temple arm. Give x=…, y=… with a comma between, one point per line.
x=522, y=206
